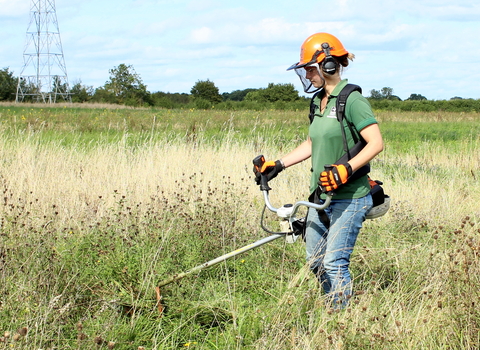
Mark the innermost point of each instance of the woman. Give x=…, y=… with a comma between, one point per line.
x=331, y=235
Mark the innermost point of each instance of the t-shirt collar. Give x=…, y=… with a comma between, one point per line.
x=339, y=88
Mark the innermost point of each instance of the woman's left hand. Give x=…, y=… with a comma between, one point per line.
x=334, y=176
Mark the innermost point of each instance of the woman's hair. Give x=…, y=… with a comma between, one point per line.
x=344, y=60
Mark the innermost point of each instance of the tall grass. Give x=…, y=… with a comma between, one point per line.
x=99, y=205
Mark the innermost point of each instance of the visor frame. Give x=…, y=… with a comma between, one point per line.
x=312, y=61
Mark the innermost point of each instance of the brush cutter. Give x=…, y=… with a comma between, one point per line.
x=291, y=226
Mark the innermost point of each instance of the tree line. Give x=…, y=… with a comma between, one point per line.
x=125, y=87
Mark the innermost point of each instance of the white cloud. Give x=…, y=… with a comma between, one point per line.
x=155, y=28
x=445, y=10
x=202, y=35
x=14, y=8
x=204, y=5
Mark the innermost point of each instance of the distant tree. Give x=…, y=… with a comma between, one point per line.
x=281, y=92
x=237, y=95
x=81, y=93
x=255, y=95
x=375, y=94
x=125, y=87
x=206, y=90
x=103, y=95
x=274, y=93
x=8, y=85
x=386, y=93
x=416, y=97
x=170, y=100
x=456, y=98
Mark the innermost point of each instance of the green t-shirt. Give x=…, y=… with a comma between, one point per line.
x=327, y=140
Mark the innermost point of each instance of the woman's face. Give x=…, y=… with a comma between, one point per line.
x=314, y=76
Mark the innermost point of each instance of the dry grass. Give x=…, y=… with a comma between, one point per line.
x=89, y=183
x=416, y=271
x=435, y=183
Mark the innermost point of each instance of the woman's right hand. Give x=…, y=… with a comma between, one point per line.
x=270, y=169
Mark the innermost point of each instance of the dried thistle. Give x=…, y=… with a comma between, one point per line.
x=23, y=331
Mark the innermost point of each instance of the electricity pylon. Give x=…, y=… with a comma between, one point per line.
x=44, y=74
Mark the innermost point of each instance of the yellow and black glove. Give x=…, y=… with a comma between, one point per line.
x=334, y=176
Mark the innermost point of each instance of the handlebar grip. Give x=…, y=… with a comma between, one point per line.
x=258, y=162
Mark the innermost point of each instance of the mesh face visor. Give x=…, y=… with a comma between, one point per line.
x=307, y=84
x=302, y=73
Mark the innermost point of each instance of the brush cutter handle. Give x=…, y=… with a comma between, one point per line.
x=291, y=226
x=258, y=162
x=289, y=210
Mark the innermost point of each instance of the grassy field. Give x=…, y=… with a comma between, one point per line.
x=100, y=204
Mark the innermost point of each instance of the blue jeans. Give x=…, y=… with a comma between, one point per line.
x=329, y=248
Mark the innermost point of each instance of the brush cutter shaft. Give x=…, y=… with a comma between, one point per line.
x=290, y=216
x=220, y=259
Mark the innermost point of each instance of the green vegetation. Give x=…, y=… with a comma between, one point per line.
x=205, y=94
x=125, y=87
x=454, y=105
x=274, y=93
x=100, y=204
x=8, y=85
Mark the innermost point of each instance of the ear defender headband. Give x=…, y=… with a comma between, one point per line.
x=329, y=65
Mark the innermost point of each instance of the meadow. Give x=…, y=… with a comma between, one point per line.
x=99, y=204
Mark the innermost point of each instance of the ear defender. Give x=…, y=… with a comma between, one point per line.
x=329, y=65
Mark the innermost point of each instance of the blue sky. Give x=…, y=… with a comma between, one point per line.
x=413, y=46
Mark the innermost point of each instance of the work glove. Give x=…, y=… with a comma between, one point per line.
x=270, y=169
x=334, y=176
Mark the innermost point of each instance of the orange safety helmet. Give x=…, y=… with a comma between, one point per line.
x=312, y=52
